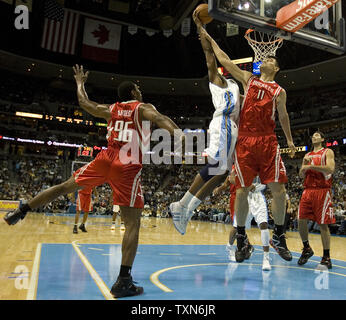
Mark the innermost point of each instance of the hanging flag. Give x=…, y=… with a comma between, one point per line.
x=122, y=6
x=231, y=30
x=60, y=28
x=27, y=3
x=132, y=29
x=167, y=33
x=101, y=41
x=186, y=27
x=150, y=33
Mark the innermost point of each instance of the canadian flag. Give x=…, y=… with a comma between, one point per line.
x=101, y=41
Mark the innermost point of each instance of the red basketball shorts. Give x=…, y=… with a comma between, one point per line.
x=316, y=205
x=231, y=205
x=84, y=202
x=124, y=179
x=258, y=156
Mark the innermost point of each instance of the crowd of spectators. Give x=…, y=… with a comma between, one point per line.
x=23, y=178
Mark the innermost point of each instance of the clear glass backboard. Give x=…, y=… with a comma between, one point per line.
x=326, y=32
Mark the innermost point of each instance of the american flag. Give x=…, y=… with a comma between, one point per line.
x=60, y=28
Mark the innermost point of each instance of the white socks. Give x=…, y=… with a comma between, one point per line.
x=185, y=200
x=265, y=237
x=194, y=203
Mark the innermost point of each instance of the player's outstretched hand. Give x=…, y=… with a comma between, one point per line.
x=217, y=191
x=292, y=149
x=79, y=74
x=196, y=20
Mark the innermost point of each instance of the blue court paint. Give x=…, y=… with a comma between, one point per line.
x=199, y=272
x=63, y=276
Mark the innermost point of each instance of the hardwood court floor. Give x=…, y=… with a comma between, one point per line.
x=19, y=246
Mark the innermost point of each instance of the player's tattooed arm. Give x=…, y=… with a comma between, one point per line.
x=94, y=108
x=149, y=112
x=239, y=74
x=213, y=74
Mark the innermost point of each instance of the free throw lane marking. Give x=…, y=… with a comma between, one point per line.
x=99, y=282
x=31, y=295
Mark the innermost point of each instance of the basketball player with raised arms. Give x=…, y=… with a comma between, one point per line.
x=125, y=135
x=316, y=201
x=223, y=131
x=257, y=151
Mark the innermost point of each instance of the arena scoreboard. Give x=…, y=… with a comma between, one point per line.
x=85, y=151
x=244, y=64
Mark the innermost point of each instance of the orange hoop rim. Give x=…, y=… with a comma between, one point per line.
x=247, y=37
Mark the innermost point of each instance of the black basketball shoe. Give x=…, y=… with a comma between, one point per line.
x=243, y=251
x=75, y=230
x=279, y=244
x=82, y=227
x=124, y=287
x=249, y=251
x=13, y=217
x=326, y=262
x=306, y=254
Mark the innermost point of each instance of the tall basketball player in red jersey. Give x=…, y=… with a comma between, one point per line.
x=316, y=201
x=120, y=166
x=257, y=150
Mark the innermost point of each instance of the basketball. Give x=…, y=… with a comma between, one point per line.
x=202, y=13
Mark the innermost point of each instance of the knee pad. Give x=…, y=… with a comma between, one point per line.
x=205, y=174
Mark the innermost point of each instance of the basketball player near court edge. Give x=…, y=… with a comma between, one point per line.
x=257, y=151
x=316, y=201
x=124, y=134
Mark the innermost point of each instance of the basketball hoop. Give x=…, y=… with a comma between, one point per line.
x=263, y=44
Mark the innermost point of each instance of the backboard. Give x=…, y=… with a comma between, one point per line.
x=326, y=32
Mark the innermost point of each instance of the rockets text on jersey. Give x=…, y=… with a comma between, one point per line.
x=257, y=115
x=316, y=179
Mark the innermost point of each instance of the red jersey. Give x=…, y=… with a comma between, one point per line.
x=316, y=179
x=125, y=130
x=232, y=189
x=257, y=115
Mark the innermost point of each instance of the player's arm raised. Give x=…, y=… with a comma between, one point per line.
x=241, y=75
x=148, y=112
x=285, y=120
x=213, y=74
x=94, y=108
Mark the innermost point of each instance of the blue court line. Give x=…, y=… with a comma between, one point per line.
x=198, y=272
x=62, y=275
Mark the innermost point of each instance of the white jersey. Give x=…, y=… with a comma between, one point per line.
x=257, y=205
x=223, y=129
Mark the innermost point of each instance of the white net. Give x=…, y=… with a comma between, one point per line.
x=76, y=165
x=263, y=44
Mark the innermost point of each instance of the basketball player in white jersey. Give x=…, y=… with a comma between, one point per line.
x=257, y=210
x=116, y=212
x=223, y=136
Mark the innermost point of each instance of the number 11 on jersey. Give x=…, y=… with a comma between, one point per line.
x=260, y=94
